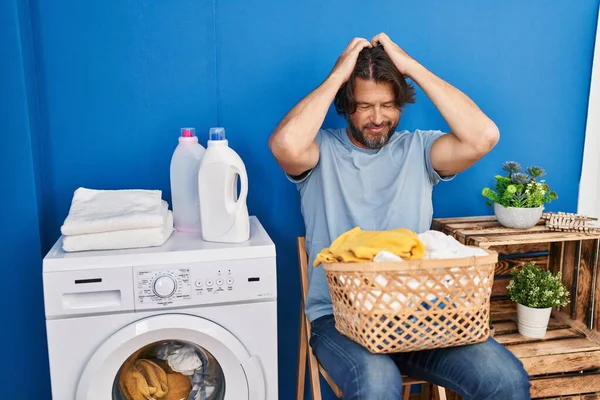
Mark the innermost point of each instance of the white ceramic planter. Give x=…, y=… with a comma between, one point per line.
x=532, y=322
x=519, y=218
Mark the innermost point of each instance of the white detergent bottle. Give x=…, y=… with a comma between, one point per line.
x=185, y=164
x=224, y=215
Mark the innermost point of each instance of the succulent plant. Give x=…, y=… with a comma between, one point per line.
x=511, y=167
x=520, y=178
x=519, y=189
x=536, y=172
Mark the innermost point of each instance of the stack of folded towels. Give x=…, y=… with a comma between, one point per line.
x=116, y=219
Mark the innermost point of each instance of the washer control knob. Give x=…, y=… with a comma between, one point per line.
x=164, y=286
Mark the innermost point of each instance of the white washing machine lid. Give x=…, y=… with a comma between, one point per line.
x=244, y=378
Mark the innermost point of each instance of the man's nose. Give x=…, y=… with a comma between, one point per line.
x=377, y=116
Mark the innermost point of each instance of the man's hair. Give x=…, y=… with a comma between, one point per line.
x=374, y=64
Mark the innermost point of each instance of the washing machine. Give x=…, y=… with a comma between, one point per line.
x=188, y=320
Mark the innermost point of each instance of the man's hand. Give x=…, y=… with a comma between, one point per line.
x=472, y=134
x=401, y=59
x=346, y=62
x=293, y=141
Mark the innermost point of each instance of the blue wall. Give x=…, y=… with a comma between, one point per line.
x=25, y=372
x=98, y=90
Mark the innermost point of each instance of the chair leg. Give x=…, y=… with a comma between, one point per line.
x=302, y=354
x=439, y=393
x=313, y=366
x=406, y=392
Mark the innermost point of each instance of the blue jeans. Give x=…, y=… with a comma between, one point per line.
x=480, y=371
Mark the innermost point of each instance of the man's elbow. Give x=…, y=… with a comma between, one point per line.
x=279, y=148
x=488, y=139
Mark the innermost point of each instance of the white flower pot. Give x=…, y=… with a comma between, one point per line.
x=532, y=322
x=519, y=218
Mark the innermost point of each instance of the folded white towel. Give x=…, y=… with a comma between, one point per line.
x=95, y=211
x=125, y=239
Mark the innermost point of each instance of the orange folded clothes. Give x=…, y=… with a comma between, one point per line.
x=357, y=245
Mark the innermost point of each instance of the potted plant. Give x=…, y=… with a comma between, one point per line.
x=535, y=290
x=519, y=198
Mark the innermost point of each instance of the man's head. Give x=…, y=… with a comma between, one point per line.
x=371, y=100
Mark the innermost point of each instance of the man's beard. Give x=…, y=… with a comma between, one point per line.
x=372, y=140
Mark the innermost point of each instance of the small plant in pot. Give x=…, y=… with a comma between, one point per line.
x=535, y=290
x=519, y=198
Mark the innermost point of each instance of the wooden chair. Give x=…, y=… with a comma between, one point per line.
x=315, y=368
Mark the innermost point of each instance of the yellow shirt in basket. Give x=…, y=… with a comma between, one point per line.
x=357, y=245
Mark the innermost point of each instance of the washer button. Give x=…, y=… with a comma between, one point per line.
x=230, y=281
x=209, y=282
x=219, y=281
x=199, y=283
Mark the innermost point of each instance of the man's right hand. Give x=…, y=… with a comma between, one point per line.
x=293, y=142
x=345, y=64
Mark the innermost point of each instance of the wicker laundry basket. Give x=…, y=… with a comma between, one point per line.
x=391, y=307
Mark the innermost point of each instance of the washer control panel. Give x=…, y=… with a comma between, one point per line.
x=163, y=286
x=201, y=283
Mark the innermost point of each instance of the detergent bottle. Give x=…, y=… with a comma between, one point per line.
x=224, y=214
x=185, y=164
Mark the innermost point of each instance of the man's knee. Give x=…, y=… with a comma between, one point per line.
x=508, y=380
x=373, y=377
x=508, y=384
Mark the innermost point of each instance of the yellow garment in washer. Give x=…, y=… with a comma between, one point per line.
x=143, y=380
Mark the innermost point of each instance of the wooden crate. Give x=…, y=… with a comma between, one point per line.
x=575, y=255
x=566, y=363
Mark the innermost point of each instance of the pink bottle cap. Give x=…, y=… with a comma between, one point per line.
x=188, y=132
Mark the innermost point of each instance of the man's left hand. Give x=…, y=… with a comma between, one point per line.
x=401, y=59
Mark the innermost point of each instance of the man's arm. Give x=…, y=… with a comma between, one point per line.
x=472, y=135
x=293, y=140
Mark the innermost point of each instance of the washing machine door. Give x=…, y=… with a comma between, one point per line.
x=172, y=357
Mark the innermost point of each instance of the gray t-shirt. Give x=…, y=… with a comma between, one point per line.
x=374, y=189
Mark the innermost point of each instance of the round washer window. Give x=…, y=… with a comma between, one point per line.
x=170, y=370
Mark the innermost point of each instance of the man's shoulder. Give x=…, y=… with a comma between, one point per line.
x=416, y=137
x=330, y=134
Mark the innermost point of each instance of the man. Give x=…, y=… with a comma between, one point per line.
x=371, y=176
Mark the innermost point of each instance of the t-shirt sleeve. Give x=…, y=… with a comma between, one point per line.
x=428, y=137
x=300, y=180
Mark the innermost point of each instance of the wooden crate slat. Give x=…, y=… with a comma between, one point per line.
x=505, y=327
x=457, y=229
x=505, y=265
x=545, y=237
x=520, y=248
x=583, y=307
x=595, y=312
x=552, y=347
x=502, y=310
x=497, y=230
x=516, y=338
x=437, y=222
x=499, y=286
x=503, y=306
x=570, y=255
x=566, y=385
x=592, y=396
x=560, y=363
x=556, y=257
